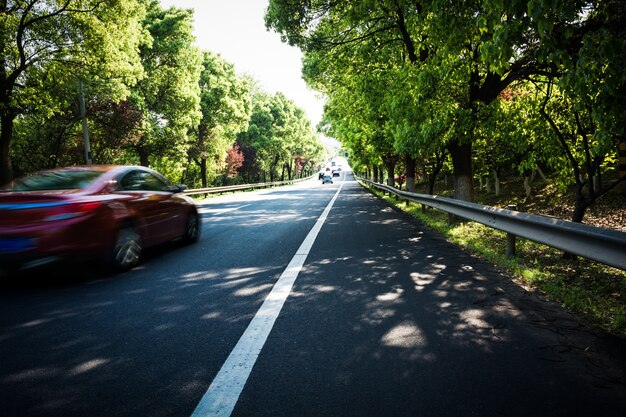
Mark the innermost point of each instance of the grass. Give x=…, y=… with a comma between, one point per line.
x=591, y=290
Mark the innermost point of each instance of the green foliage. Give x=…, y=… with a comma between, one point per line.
x=499, y=84
x=225, y=105
x=278, y=134
x=169, y=97
x=412, y=79
x=97, y=40
x=47, y=46
x=152, y=97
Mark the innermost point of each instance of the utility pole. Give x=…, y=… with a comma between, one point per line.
x=86, y=144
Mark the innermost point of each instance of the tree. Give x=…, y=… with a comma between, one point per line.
x=585, y=44
x=168, y=98
x=44, y=139
x=582, y=153
x=65, y=40
x=452, y=44
x=256, y=139
x=41, y=138
x=225, y=105
x=234, y=161
x=277, y=134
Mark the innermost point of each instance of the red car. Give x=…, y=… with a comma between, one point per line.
x=104, y=212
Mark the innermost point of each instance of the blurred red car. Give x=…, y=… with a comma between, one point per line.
x=104, y=212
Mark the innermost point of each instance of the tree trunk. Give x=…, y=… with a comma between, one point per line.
x=410, y=173
x=390, y=165
x=621, y=167
x=440, y=158
x=496, y=180
x=273, y=168
x=543, y=177
x=143, y=156
x=527, y=186
x=376, y=176
x=581, y=204
x=203, y=172
x=431, y=184
x=462, y=167
x=6, y=134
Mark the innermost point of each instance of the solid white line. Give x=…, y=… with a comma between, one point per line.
x=222, y=395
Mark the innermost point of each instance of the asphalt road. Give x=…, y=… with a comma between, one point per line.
x=384, y=319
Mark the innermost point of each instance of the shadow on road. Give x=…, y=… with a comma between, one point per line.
x=387, y=319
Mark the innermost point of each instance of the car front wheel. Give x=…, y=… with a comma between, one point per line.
x=127, y=249
x=192, y=231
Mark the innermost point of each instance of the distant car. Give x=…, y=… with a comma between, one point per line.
x=336, y=173
x=103, y=212
x=327, y=178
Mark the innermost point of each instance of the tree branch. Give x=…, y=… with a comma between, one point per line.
x=560, y=136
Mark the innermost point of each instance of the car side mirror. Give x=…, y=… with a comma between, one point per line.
x=178, y=188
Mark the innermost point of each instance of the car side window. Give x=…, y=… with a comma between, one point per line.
x=153, y=183
x=131, y=181
x=142, y=181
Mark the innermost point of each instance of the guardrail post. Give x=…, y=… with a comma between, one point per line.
x=510, y=237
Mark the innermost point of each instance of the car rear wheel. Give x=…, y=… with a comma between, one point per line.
x=192, y=231
x=127, y=249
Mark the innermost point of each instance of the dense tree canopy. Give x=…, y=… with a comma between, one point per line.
x=279, y=134
x=410, y=80
x=168, y=97
x=225, y=106
x=477, y=87
x=45, y=44
x=152, y=97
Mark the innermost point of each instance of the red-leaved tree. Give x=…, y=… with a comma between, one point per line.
x=300, y=163
x=234, y=161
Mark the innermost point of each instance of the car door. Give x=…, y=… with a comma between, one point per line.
x=157, y=211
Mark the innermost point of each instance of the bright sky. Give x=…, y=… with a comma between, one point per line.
x=235, y=29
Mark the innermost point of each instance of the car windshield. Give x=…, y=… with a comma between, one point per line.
x=56, y=180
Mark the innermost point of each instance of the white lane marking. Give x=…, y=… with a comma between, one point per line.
x=222, y=395
x=220, y=211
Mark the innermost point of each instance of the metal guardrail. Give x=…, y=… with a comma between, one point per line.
x=225, y=189
x=598, y=244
